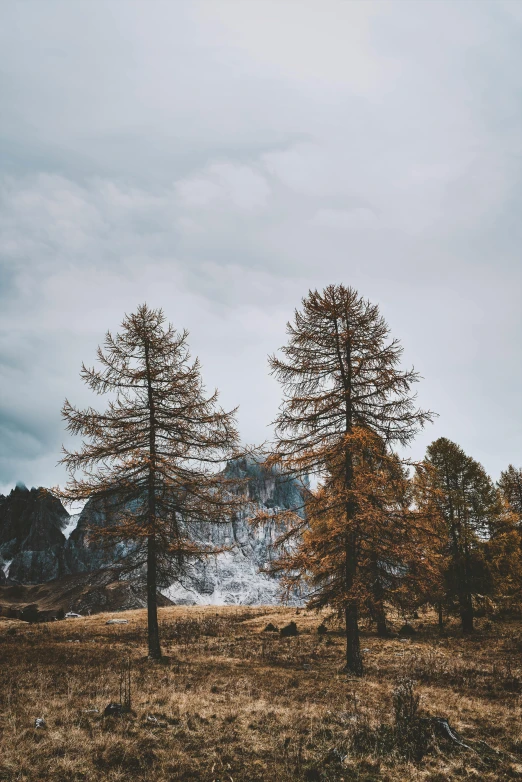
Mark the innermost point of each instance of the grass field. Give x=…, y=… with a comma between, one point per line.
x=233, y=703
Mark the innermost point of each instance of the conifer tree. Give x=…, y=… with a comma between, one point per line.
x=426, y=502
x=510, y=486
x=152, y=455
x=393, y=540
x=469, y=507
x=504, y=545
x=343, y=392
x=503, y=552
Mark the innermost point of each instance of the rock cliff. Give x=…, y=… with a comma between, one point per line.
x=31, y=535
x=39, y=541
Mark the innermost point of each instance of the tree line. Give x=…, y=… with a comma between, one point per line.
x=375, y=531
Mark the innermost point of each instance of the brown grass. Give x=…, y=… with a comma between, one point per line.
x=233, y=703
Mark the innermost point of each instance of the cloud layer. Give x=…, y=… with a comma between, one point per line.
x=218, y=159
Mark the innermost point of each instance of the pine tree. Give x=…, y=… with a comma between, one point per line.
x=469, y=507
x=152, y=455
x=342, y=388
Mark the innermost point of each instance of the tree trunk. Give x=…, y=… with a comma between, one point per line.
x=379, y=614
x=466, y=613
x=353, y=649
x=382, y=627
x=152, y=607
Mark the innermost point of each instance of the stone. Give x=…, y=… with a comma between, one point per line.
x=289, y=630
x=29, y=613
x=113, y=710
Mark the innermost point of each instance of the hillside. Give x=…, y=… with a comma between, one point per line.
x=82, y=593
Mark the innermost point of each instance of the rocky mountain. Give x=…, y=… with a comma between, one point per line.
x=40, y=542
x=31, y=535
x=236, y=576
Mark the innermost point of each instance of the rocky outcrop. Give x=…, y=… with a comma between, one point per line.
x=31, y=537
x=239, y=575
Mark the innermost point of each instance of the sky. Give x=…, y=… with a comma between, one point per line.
x=220, y=159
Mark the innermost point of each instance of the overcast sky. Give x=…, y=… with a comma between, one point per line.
x=218, y=159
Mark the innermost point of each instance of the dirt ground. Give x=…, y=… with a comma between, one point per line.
x=232, y=703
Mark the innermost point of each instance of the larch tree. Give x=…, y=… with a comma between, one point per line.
x=393, y=541
x=504, y=546
x=469, y=507
x=153, y=455
x=510, y=487
x=344, y=392
x=427, y=503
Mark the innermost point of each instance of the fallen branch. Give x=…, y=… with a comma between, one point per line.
x=443, y=728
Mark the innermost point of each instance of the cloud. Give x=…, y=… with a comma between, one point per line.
x=227, y=185
x=345, y=218
x=219, y=159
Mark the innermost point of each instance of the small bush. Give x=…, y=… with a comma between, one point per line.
x=412, y=733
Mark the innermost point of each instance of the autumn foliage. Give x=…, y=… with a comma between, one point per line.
x=346, y=403
x=374, y=531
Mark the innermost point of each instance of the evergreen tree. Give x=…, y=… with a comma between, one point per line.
x=343, y=391
x=469, y=506
x=152, y=455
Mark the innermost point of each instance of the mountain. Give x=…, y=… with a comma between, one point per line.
x=40, y=542
x=236, y=576
x=31, y=535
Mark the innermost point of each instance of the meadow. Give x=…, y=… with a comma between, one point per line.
x=231, y=702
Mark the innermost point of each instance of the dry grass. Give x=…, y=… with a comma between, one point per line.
x=233, y=703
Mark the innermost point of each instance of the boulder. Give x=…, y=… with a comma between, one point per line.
x=407, y=631
x=289, y=630
x=30, y=613
x=113, y=710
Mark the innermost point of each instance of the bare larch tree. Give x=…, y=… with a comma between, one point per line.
x=154, y=454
